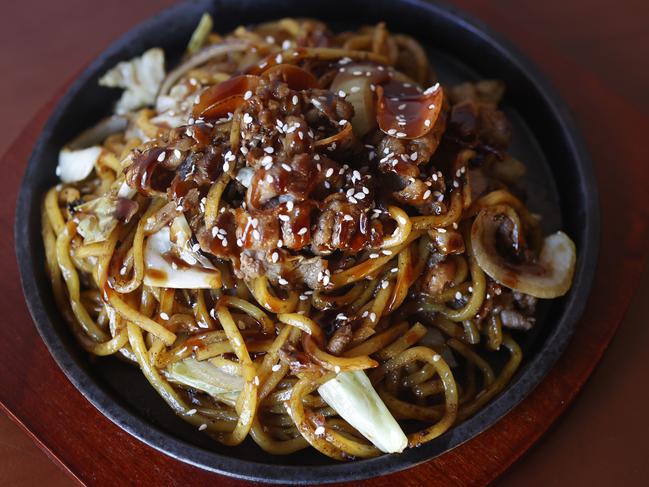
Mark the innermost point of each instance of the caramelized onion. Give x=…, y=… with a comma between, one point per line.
x=404, y=112
x=295, y=77
x=549, y=277
x=219, y=100
x=356, y=86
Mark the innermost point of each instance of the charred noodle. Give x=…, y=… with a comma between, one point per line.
x=302, y=237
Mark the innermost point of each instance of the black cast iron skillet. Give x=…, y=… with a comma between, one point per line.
x=560, y=183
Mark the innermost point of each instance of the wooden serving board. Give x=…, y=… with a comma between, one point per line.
x=94, y=451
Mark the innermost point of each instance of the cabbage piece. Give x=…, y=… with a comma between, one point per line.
x=206, y=377
x=168, y=265
x=140, y=77
x=97, y=218
x=76, y=165
x=174, y=109
x=352, y=396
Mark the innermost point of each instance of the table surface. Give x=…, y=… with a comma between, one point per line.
x=601, y=438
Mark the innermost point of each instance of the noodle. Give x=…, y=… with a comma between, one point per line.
x=288, y=221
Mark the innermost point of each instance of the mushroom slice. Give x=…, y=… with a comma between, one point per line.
x=549, y=277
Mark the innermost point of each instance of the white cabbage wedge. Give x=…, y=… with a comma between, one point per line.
x=207, y=377
x=352, y=396
x=140, y=78
x=194, y=272
x=76, y=165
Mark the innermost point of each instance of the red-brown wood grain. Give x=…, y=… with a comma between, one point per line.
x=37, y=394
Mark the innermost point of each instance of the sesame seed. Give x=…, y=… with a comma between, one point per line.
x=247, y=95
x=359, y=196
x=282, y=281
x=385, y=284
x=269, y=150
x=392, y=131
x=266, y=160
x=269, y=178
x=202, y=427
x=355, y=89
x=372, y=317
x=337, y=369
x=294, y=99
x=441, y=230
x=458, y=295
x=247, y=118
x=427, y=123
x=302, y=231
x=436, y=358
x=284, y=218
x=274, y=257
x=342, y=122
x=289, y=205
x=255, y=234
x=286, y=167
x=427, y=194
x=329, y=172
x=374, y=256
x=401, y=134
x=256, y=380
x=342, y=94
x=386, y=252
x=280, y=243
x=279, y=59
x=319, y=431
x=276, y=367
x=431, y=89
x=162, y=156
x=164, y=316
x=326, y=279
x=191, y=412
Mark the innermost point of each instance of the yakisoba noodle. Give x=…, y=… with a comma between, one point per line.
x=293, y=224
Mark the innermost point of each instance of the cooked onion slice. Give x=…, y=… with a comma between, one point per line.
x=166, y=265
x=355, y=83
x=352, y=396
x=548, y=278
x=295, y=77
x=406, y=114
x=223, y=98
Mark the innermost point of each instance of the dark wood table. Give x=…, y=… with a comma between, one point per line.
x=595, y=51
